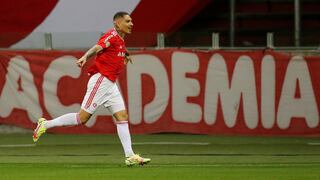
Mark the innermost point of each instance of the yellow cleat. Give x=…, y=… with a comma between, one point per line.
x=136, y=160
x=39, y=130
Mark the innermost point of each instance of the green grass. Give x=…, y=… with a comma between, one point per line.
x=207, y=157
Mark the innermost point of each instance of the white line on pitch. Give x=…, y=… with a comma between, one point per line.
x=211, y=165
x=235, y=165
x=172, y=143
x=314, y=143
x=16, y=145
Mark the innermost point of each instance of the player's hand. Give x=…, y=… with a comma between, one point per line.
x=127, y=59
x=81, y=61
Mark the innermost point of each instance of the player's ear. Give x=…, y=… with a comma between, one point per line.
x=117, y=23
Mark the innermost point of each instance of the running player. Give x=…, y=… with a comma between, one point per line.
x=111, y=57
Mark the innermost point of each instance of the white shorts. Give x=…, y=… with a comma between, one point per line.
x=102, y=91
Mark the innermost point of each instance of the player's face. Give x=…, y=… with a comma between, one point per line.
x=125, y=24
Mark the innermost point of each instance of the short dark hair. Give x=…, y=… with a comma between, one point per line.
x=119, y=14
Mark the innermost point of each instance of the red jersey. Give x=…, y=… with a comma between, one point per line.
x=110, y=61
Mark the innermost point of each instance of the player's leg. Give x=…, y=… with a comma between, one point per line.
x=116, y=106
x=92, y=99
x=125, y=138
x=121, y=121
x=70, y=119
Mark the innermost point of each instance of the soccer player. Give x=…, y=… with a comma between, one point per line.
x=111, y=58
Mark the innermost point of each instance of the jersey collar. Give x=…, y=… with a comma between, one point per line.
x=118, y=34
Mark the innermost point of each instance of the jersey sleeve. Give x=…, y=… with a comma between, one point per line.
x=104, y=39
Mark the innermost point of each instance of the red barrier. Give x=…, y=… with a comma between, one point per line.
x=218, y=92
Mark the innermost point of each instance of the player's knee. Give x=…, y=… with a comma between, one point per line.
x=84, y=116
x=84, y=119
x=121, y=116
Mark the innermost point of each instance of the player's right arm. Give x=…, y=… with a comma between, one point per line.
x=103, y=43
x=90, y=53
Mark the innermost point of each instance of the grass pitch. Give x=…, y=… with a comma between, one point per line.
x=174, y=156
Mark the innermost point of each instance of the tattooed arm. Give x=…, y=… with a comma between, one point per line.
x=90, y=53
